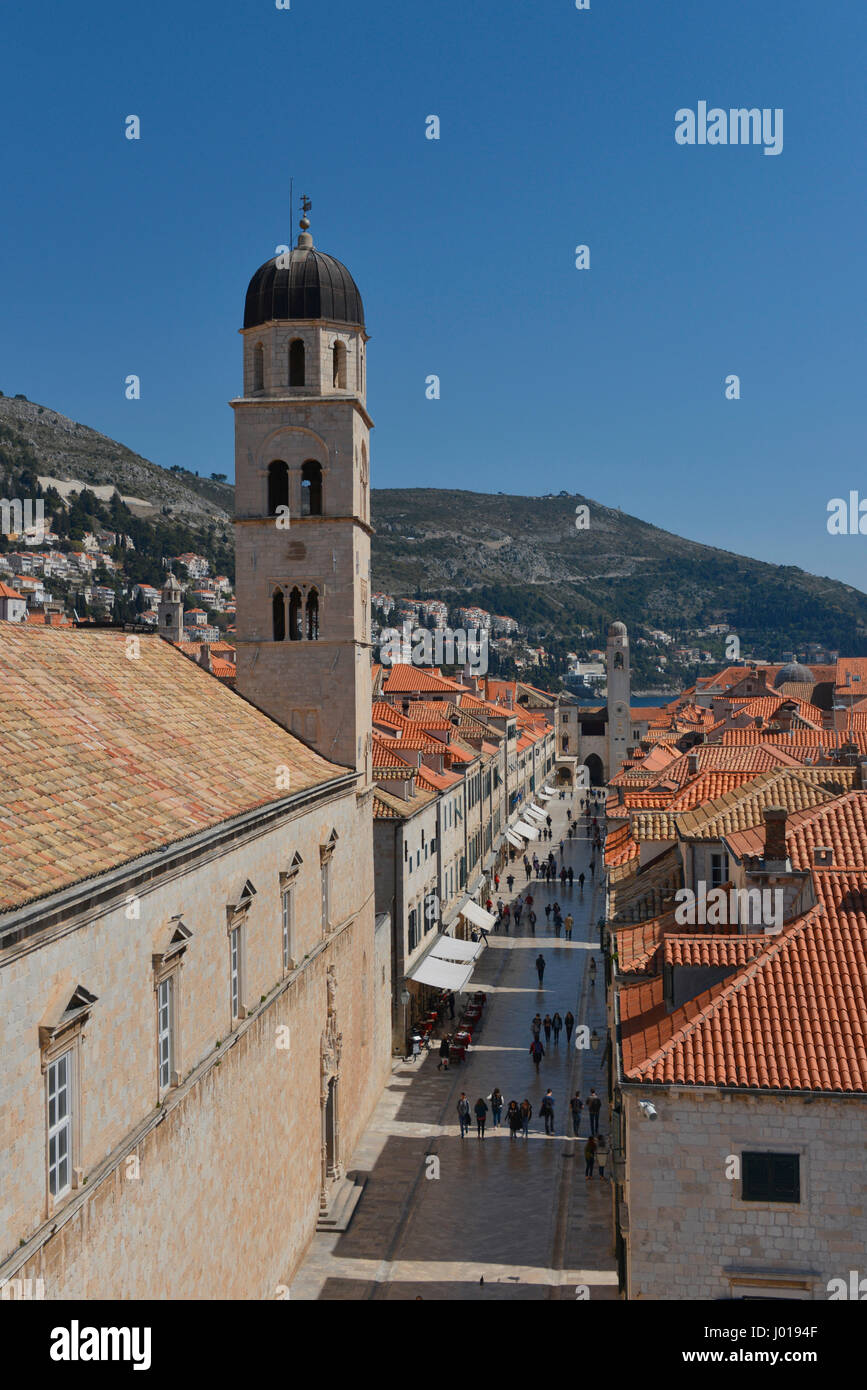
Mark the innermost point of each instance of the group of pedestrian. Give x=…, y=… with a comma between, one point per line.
x=519, y=1115
x=550, y=1025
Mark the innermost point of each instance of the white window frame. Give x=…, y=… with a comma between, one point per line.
x=235, y=982
x=287, y=921
x=65, y=1125
x=165, y=992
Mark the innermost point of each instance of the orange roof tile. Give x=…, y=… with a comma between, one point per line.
x=105, y=759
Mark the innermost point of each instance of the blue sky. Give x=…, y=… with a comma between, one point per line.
x=557, y=129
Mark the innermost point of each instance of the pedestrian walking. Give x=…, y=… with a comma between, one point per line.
x=510, y=880
x=594, y=1105
x=561, y=849
x=548, y=911
x=571, y=875
x=540, y=966
x=526, y=1116
x=463, y=1109
x=563, y=876
x=513, y=1115
x=507, y=917
x=526, y=866
x=415, y=1047
x=546, y=1024
x=589, y=1157
x=593, y=868
x=481, y=1110
x=569, y=924
x=548, y=821
x=536, y=1025
x=518, y=911
x=576, y=1105
x=532, y=920
x=497, y=882
x=592, y=972
x=581, y=882
x=443, y=1063
x=537, y=1052
x=496, y=1099
x=547, y=1109
x=558, y=922
x=602, y=1154
x=570, y=1024
x=556, y=1024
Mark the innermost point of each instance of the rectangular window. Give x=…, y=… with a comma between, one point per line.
x=235, y=971
x=413, y=929
x=719, y=864
x=59, y=1090
x=771, y=1177
x=288, y=951
x=326, y=894
x=165, y=1032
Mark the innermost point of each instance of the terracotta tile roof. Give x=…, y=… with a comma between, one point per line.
x=386, y=757
x=382, y=810
x=840, y=825
x=653, y=825
x=709, y=787
x=854, y=666
x=712, y=950
x=795, y=1018
x=7, y=592
x=769, y=706
x=742, y=807
x=403, y=679
x=105, y=759
x=620, y=847
x=225, y=670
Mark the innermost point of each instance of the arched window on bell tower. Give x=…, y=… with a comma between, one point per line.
x=278, y=486
x=313, y=616
x=295, y=633
x=296, y=363
x=278, y=615
x=338, y=353
x=258, y=367
x=311, y=489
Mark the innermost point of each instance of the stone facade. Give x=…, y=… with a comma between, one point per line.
x=690, y=1235
x=209, y=1188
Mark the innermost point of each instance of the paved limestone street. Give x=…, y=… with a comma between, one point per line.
x=520, y=1215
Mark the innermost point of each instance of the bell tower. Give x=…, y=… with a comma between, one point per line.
x=619, y=690
x=302, y=503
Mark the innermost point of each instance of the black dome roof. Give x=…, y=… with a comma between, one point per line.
x=307, y=285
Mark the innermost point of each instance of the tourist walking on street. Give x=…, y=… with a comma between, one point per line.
x=568, y=924
x=481, y=1110
x=548, y=912
x=581, y=881
x=576, y=1105
x=526, y=866
x=602, y=1154
x=532, y=920
x=536, y=1025
x=537, y=1052
x=593, y=869
x=558, y=920
x=518, y=910
x=592, y=971
x=496, y=1099
x=571, y=875
x=510, y=881
x=443, y=1063
x=526, y=1116
x=570, y=1024
x=557, y=1024
x=507, y=916
x=540, y=966
x=594, y=1105
x=547, y=1109
x=513, y=1115
x=547, y=1027
x=463, y=1108
x=589, y=1157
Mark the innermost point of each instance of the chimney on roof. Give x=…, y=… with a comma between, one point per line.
x=784, y=716
x=775, y=834
x=760, y=721
x=692, y=764
x=823, y=857
x=762, y=676
x=405, y=704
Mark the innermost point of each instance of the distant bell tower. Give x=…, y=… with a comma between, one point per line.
x=170, y=611
x=619, y=718
x=302, y=503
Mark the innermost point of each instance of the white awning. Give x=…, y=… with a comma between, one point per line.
x=477, y=915
x=547, y=791
x=442, y=974
x=535, y=813
x=529, y=832
x=451, y=948
x=514, y=839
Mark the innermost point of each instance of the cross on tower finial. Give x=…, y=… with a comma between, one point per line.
x=306, y=205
